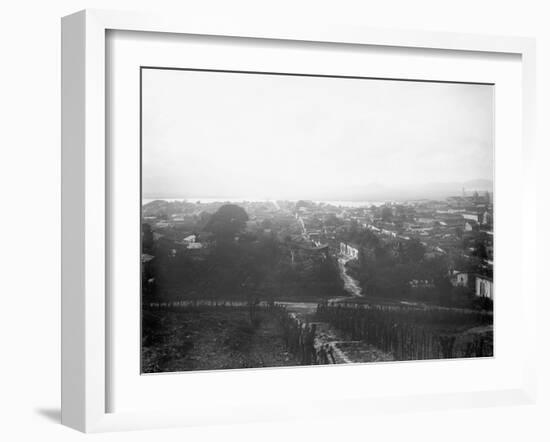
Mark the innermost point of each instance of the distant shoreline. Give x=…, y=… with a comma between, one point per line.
x=259, y=200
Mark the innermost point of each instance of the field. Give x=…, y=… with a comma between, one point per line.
x=209, y=337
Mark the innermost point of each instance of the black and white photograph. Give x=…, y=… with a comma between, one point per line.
x=298, y=220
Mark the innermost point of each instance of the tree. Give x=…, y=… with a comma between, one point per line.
x=266, y=223
x=369, y=239
x=480, y=251
x=204, y=218
x=146, y=238
x=413, y=251
x=386, y=213
x=227, y=222
x=353, y=229
x=332, y=220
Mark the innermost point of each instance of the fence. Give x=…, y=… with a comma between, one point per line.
x=410, y=333
x=299, y=336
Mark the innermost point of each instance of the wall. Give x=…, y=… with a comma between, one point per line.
x=30, y=181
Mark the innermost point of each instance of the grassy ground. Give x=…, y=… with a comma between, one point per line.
x=210, y=338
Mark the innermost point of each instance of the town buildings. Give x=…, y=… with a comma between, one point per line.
x=457, y=231
x=349, y=251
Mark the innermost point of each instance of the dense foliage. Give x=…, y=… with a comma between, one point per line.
x=239, y=264
x=227, y=222
x=403, y=270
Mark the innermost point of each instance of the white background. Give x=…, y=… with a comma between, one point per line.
x=30, y=182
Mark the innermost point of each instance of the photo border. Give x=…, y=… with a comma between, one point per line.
x=288, y=74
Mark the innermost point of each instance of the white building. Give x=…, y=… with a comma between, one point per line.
x=460, y=279
x=190, y=239
x=484, y=287
x=471, y=216
x=349, y=251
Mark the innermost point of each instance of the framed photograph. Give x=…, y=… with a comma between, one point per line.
x=263, y=222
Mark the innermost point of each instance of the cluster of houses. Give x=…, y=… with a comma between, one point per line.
x=482, y=285
x=190, y=242
x=458, y=226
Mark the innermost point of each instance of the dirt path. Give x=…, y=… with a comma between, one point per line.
x=351, y=285
x=325, y=333
x=344, y=351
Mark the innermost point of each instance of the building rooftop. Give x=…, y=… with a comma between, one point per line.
x=146, y=258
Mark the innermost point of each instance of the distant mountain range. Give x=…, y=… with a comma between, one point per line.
x=370, y=192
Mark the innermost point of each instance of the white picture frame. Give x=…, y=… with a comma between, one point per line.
x=85, y=211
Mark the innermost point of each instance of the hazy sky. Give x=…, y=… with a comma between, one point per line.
x=216, y=134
